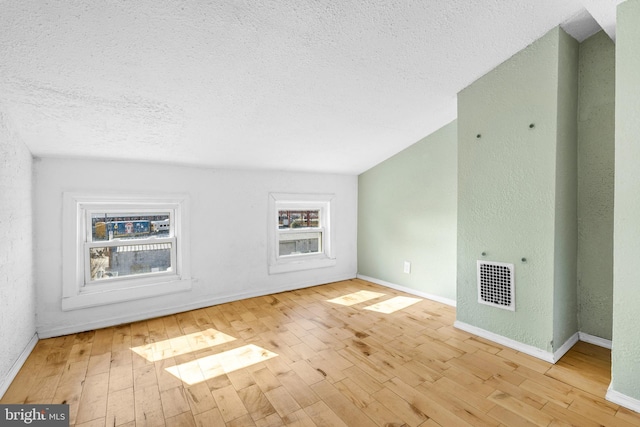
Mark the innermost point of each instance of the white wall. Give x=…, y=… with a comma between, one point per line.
x=228, y=241
x=17, y=301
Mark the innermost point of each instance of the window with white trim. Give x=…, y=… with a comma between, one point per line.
x=300, y=232
x=123, y=244
x=123, y=247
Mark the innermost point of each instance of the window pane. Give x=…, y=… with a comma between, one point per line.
x=300, y=243
x=129, y=260
x=129, y=225
x=298, y=219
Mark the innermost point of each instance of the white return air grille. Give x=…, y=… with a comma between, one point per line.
x=495, y=285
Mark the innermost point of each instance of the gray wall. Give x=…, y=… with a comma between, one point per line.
x=17, y=300
x=407, y=212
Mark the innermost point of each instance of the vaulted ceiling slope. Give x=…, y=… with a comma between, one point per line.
x=304, y=85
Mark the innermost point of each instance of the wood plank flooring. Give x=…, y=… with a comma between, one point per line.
x=349, y=353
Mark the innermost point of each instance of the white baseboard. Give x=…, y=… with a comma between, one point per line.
x=622, y=399
x=592, y=339
x=557, y=355
x=547, y=356
x=13, y=372
x=412, y=291
x=45, y=331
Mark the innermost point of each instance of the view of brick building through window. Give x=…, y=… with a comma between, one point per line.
x=298, y=219
x=307, y=239
x=139, y=251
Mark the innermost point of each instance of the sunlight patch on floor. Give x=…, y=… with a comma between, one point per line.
x=182, y=345
x=356, y=298
x=215, y=365
x=392, y=305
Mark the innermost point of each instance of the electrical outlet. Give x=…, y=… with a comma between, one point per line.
x=407, y=267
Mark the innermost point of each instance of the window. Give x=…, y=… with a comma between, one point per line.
x=128, y=243
x=119, y=248
x=300, y=234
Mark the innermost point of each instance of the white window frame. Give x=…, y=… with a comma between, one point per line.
x=78, y=289
x=296, y=262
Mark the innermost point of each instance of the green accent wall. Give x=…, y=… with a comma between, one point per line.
x=526, y=171
x=626, y=273
x=517, y=191
x=596, y=138
x=565, y=300
x=407, y=212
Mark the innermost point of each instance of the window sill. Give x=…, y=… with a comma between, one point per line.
x=301, y=264
x=96, y=297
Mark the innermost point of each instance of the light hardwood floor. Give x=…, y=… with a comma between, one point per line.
x=345, y=353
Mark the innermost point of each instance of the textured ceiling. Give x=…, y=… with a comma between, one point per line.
x=329, y=86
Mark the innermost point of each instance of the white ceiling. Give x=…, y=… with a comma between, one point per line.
x=304, y=85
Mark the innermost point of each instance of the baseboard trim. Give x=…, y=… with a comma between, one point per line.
x=13, y=372
x=622, y=399
x=547, y=356
x=48, y=332
x=592, y=339
x=508, y=342
x=564, y=348
x=412, y=291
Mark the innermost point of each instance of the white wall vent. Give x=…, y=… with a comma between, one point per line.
x=496, y=285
